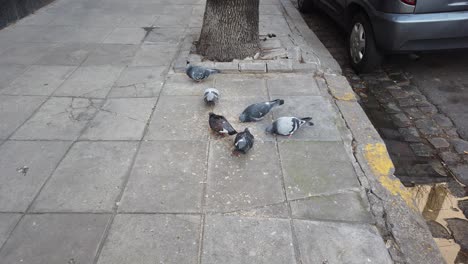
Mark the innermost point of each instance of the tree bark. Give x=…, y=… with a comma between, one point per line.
x=230, y=30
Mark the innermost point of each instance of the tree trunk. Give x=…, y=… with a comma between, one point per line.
x=230, y=30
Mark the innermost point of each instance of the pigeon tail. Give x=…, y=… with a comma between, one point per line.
x=278, y=102
x=213, y=71
x=269, y=129
x=232, y=132
x=210, y=102
x=210, y=98
x=307, y=119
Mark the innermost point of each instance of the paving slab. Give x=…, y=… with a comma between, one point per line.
x=155, y=55
x=292, y=85
x=76, y=34
x=323, y=116
x=24, y=53
x=60, y=118
x=125, y=36
x=233, y=239
x=171, y=21
x=89, y=178
x=90, y=82
x=280, y=210
x=267, y=9
x=238, y=85
x=139, y=82
x=5, y=44
x=7, y=223
x=39, y=80
x=25, y=166
x=179, y=118
x=9, y=72
x=271, y=24
x=138, y=21
x=348, y=206
x=181, y=84
x=22, y=33
x=165, y=35
x=325, y=242
x=168, y=176
x=243, y=182
x=88, y=17
x=67, y=54
x=69, y=239
x=148, y=239
x=312, y=168
x=120, y=119
x=111, y=54
x=181, y=7
x=14, y=110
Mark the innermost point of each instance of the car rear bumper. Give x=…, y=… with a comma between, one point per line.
x=420, y=32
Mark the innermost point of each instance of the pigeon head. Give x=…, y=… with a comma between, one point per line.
x=211, y=114
x=269, y=129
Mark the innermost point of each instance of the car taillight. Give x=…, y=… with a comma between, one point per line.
x=409, y=2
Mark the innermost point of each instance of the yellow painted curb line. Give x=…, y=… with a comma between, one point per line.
x=346, y=97
x=382, y=166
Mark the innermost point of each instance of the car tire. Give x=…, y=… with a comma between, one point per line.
x=363, y=52
x=304, y=6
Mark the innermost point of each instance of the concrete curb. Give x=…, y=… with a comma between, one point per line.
x=297, y=24
x=405, y=231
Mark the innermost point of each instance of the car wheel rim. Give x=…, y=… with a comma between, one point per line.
x=357, y=41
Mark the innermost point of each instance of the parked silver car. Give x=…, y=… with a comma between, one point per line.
x=377, y=27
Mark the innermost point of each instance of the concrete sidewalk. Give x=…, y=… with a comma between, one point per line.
x=106, y=155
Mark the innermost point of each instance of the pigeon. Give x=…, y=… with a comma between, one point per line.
x=244, y=141
x=211, y=96
x=220, y=125
x=199, y=73
x=286, y=126
x=257, y=112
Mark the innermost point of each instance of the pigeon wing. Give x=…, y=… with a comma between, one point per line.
x=198, y=73
x=257, y=111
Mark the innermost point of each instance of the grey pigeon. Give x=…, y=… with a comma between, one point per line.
x=220, y=125
x=286, y=126
x=257, y=112
x=199, y=73
x=211, y=96
x=244, y=141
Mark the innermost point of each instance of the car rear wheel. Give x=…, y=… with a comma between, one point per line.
x=304, y=6
x=363, y=52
